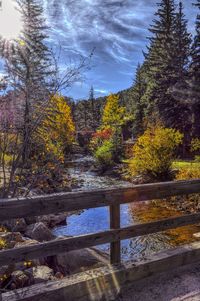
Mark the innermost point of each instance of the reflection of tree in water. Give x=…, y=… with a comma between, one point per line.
x=144, y=246
x=97, y=220
x=144, y=212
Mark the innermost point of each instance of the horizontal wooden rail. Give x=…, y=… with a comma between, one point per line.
x=66, y=202
x=74, y=243
x=105, y=283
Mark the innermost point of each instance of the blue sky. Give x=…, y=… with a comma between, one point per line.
x=116, y=29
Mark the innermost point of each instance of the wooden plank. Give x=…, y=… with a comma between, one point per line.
x=192, y=296
x=115, y=247
x=105, y=283
x=66, y=202
x=75, y=243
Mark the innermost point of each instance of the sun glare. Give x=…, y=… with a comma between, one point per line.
x=10, y=20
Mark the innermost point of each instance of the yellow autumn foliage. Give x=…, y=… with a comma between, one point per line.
x=154, y=152
x=3, y=243
x=195, y=145
x=188, y=173
x=187, y=170
x=107, y=141
x=113, y=114
x=58, y=130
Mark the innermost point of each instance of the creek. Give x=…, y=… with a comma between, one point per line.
x=97, y=220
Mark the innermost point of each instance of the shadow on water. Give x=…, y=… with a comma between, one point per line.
x=96, y=220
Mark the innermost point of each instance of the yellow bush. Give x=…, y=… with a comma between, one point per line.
x=154, y=151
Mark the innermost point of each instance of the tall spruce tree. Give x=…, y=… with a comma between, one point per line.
x=184, y=40
x=29, y=66
x=91, y=97
x=195, y=65
x=195, y=77
x=161, y=59
x=92, y=103
x=167, y=59
x=138, y=104
x=30, y=61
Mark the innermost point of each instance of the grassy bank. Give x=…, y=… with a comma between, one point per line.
x=187, y=169
x=186, y=164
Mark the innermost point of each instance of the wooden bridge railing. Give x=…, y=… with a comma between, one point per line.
x=66, y=202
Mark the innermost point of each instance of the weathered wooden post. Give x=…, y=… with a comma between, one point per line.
x=115, y=247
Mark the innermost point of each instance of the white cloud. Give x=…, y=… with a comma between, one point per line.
x=101, y=91
x=10, y=20
x=117, y=29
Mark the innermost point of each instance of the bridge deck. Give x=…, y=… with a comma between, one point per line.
x=106, y=283
x=128, y=281
x=182, y=284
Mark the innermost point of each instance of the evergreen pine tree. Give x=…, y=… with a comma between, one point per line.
x=29, y=66
x=30, y=60
x=138, y=106
x=161, y=58
x=167, y=63
x=178, y=90
x=91, y=98
x=195, y=77
x=183, y=40
x=93, y=113
x=195, y=65
x=162, y=41
x=86, y=114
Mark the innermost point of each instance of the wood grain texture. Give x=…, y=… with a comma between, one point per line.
x=71, y=201
x=105, y=283
x=79, y=242
x=115, y=247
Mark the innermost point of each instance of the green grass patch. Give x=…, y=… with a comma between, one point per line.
x=186, y=164
x=176, y=164
x=187, y=170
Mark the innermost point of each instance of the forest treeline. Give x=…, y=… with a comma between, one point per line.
x=167, y=83
x=38, y=125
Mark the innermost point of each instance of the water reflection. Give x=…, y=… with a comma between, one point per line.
x=97, y=220
x=157, y=210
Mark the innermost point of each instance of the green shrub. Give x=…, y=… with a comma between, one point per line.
x=154, y=152
x=104, y=155
x=107, y=147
